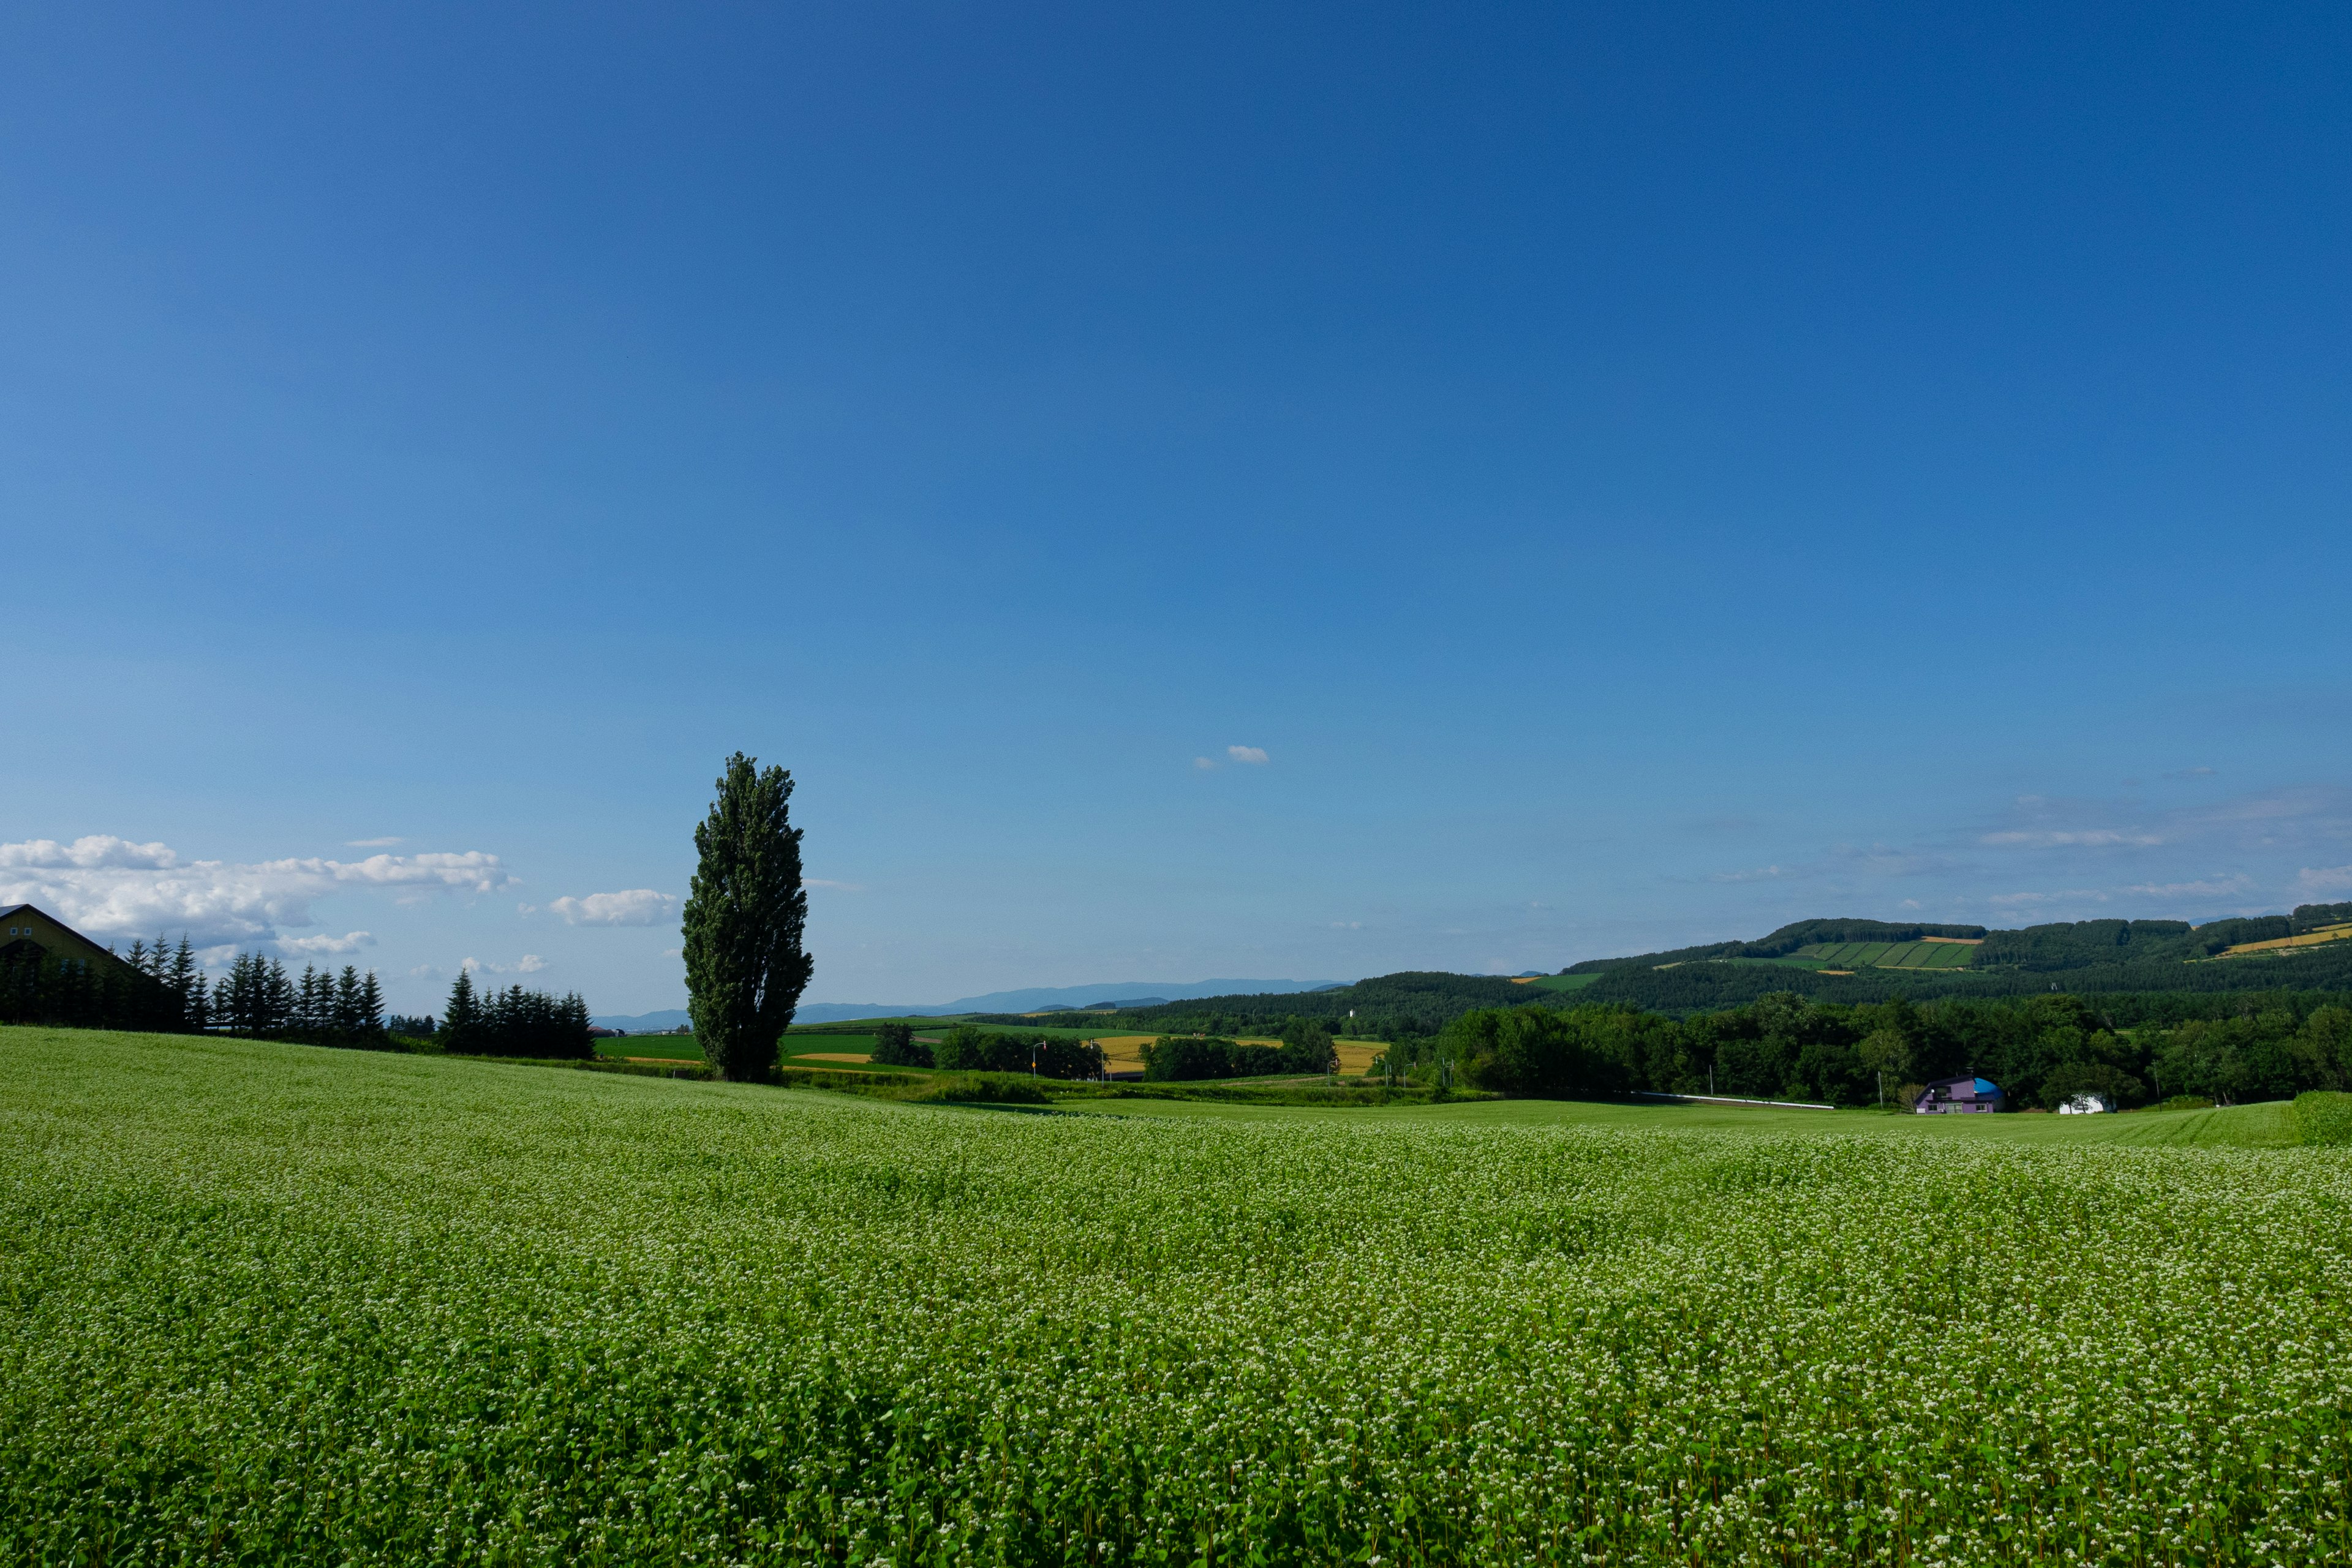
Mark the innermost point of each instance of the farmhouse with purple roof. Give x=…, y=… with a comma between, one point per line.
x=1948, y=1096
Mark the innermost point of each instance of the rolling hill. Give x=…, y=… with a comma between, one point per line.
x=1847, y=961
x=1864, y=960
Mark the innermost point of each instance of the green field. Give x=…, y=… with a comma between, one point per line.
x=1885, y=956
x=797, y=1049
x=651, y=1047
x=1562, y=982
x=262, y=1302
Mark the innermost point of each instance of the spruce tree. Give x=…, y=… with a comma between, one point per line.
x=370, y=1007
x=575, y=1039
x=461, y=1017
x=349, y=1024
x=278, y=999
x=311, y=1016
x=233, y=1004
x=185, y=979
x=745, y=918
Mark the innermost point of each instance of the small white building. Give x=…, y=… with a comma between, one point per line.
x=2090, y=1102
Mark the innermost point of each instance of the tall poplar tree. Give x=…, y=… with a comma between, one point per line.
x=745, y=918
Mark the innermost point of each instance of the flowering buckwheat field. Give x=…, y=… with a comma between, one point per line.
x=265, y=1303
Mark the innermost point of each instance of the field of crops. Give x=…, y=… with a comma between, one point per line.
x=270, y=1303
x=2285, y=944
x=1886, y=954
x=650, y=1048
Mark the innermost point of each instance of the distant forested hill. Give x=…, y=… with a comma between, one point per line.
x=1843, y=961
x=1856, y=960
x=1410, y=1003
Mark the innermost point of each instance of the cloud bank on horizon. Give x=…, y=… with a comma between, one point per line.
x=115, y=888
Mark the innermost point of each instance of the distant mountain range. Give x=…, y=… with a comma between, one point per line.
x=1037, y=999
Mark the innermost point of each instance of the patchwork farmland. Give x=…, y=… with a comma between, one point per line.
x=1929, y=954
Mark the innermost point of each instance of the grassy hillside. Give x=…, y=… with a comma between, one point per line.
x=262, y=1302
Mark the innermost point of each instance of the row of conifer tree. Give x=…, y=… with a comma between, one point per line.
x=160, y=988
x=513, y=1023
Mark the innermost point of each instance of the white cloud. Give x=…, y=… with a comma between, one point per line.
x=110, y=887
x=99, y=852
x=637, y=907
x=310, y=945
x=2324, y=879
x=1207, y=765
x=370, y=843
x=1254, y=756
x=529, y=963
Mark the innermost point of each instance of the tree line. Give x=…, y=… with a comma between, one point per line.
x=969, y=1048
x=1305, y=1047
x=258, y=998
x=2041, y=1050
x=160, y=988
x=513, y=1023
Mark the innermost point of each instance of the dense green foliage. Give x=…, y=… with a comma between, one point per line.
x=1788, y=940
x=2094, y=957
x=256, y=998
x=2041, y=1050
x=2109, y=959
x=968, y=1048
x=745, y=918
x=1305, y=1047
x=1705, y=987
x=1411, y=1003
x=514, y=1022
x=2322, y=1117
x=154, y=988
x=262, y=1304
x=894, y=1045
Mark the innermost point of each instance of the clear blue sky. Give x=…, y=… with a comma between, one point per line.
x=1639, y=474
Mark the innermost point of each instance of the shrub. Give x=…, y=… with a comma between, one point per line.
x=894, y=1045
x=982, y=1090
x=2322, y=1116
x=1176, y=1058
x=1068, y=1058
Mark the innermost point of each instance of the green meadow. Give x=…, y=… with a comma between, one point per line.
x=270, y=1303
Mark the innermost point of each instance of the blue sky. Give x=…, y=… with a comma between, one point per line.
x=1637, y=475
